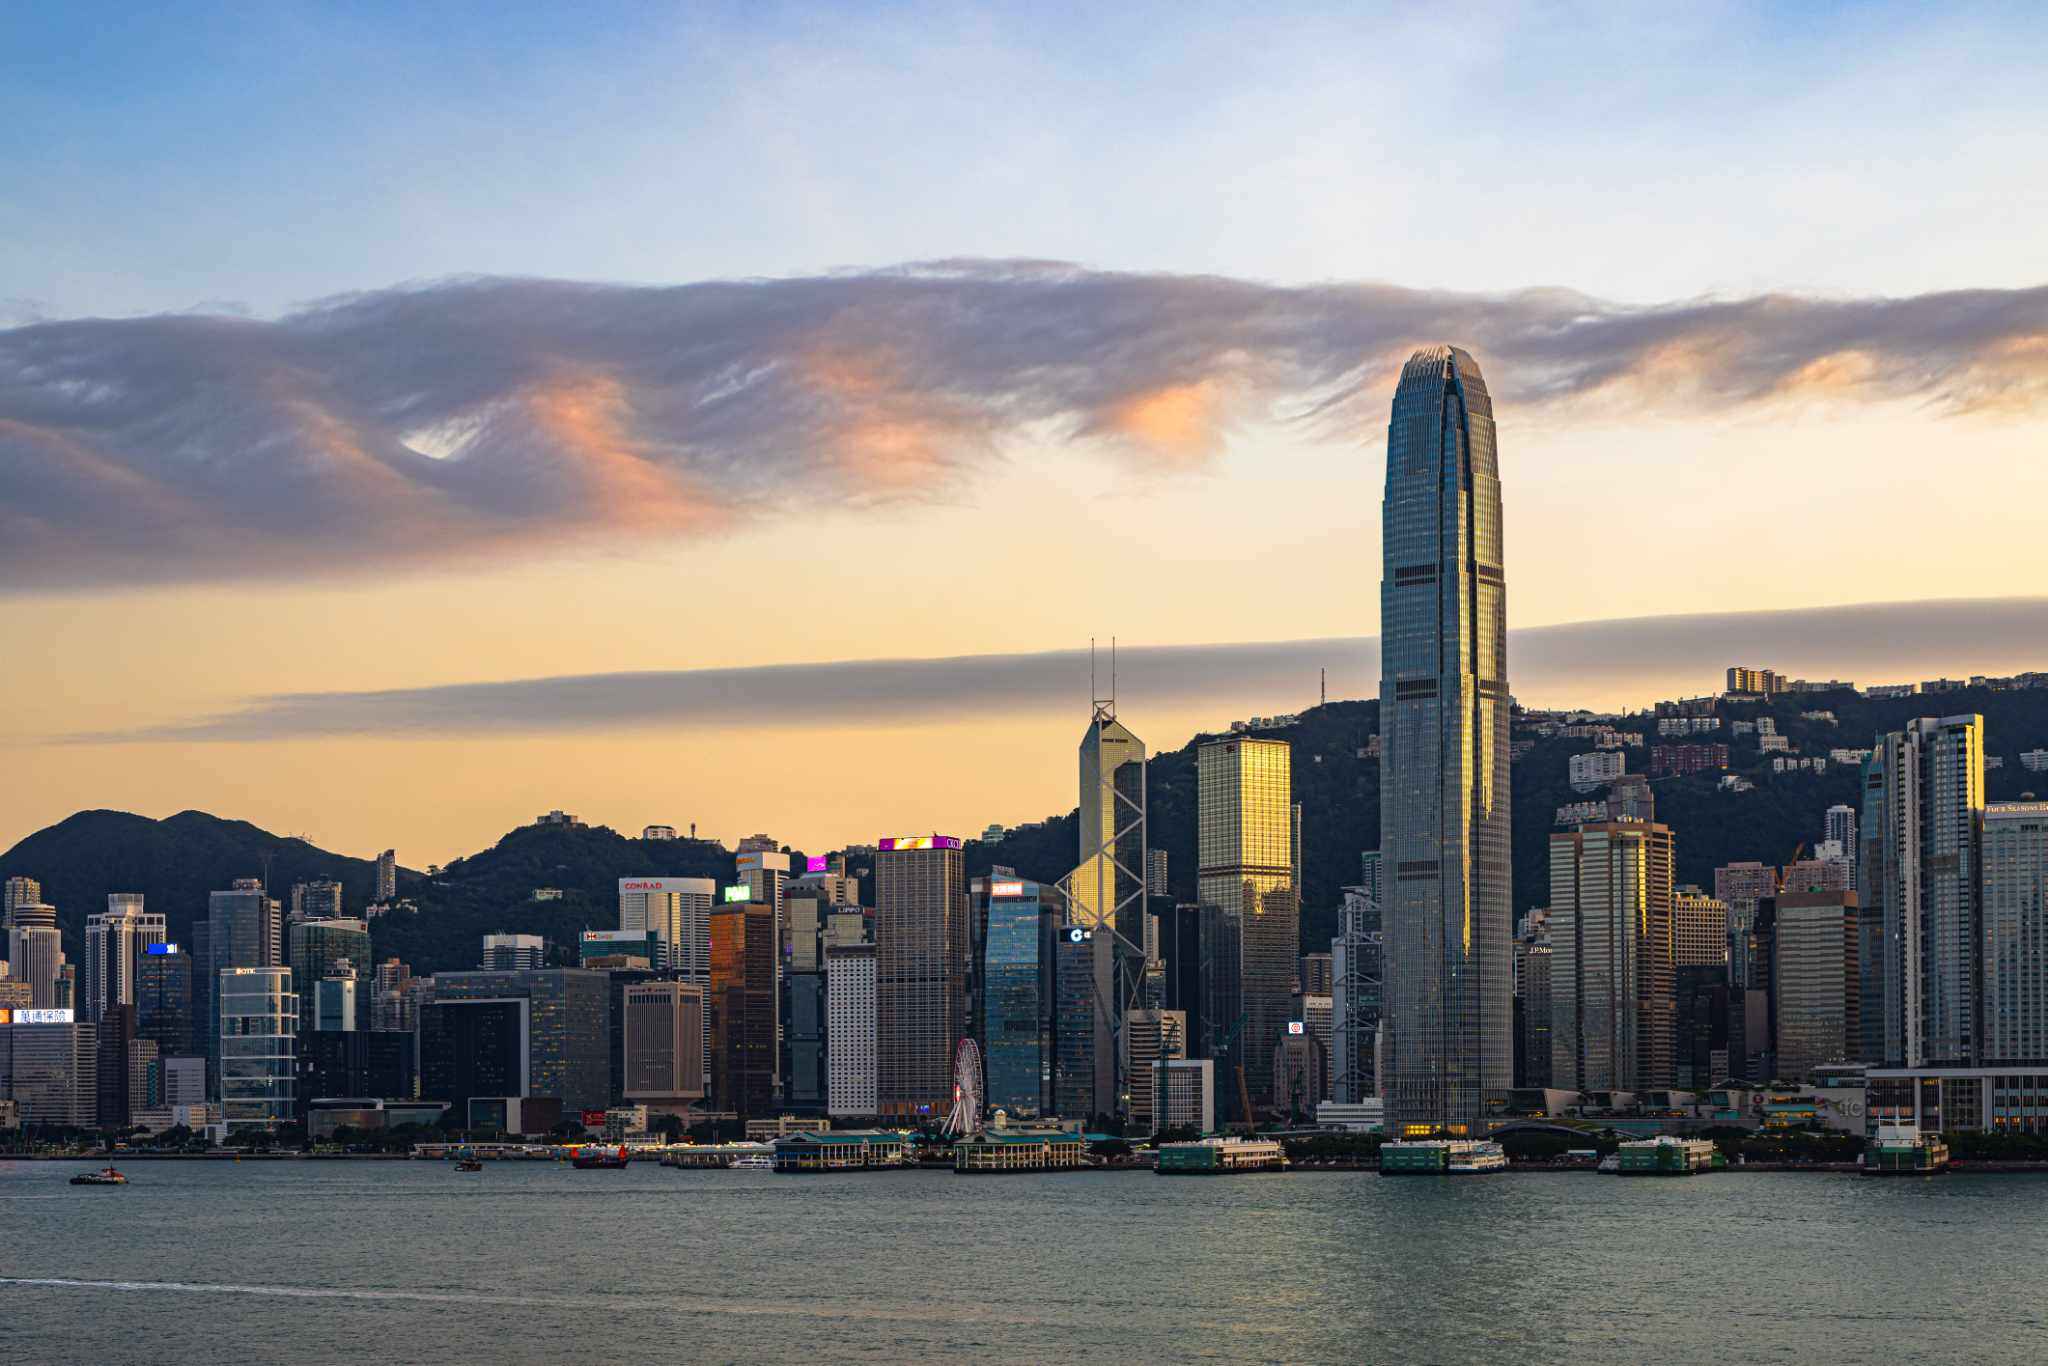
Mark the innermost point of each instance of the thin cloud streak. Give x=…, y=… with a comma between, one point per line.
x=1585, y=663
x=483, y=418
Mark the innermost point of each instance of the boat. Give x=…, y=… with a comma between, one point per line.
x=105, y=1176
x=1668, y=1156
x=752, y=1162
x=1221, y=1157
x=599, y=1159
x=469, y=1164
x=1904, y=1150
x=1442, y=1157
x=1610, y=1165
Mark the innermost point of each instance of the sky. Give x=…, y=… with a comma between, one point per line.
x=414, y=418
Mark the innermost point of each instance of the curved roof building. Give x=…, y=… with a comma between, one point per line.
x=1444, y=832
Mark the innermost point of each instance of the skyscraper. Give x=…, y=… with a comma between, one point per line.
x=258, y=1028
x=1444, y=820
x=1814, y=999
x=319, y=899
x=677, y=911
x=1244, y=876
x=1017, y=992
x=1356, y=998
x=324, y=949
x=387, y=875
x=246, y=928
x=35, y=952
x=2015, y=937
x=1154, y=1036
x=1699, y=929
x=1841, y=830
x=920, y=973
x=850, y=1030
x=1923, y=798
x=114, y=940
x=1106, y=891
x=513, y=952
x=18, y=891
x=163, y=999
x=663, y=1062
x=742, y=1001
x=1613, y=1002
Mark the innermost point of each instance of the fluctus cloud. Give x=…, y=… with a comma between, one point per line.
x=478, y=417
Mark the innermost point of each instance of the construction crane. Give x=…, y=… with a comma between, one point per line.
x=1786, y=871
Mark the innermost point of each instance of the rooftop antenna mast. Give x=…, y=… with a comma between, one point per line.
x=1104, y=707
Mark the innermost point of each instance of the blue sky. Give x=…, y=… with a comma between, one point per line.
x=415, y=497
x=263, y=155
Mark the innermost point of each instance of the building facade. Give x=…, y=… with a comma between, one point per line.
x=1923, y=800
x=1814, y=987
x=1245, y=880
x=1107, y=889
x=258, y=1016
x=850, y=1052
x=2014, y=957
x=663, y=1054
x=1613, y=1007
x=1022, y=918
x=1444, y=797
x=564, y=1015
x=114, y=942
x=742, y=1002
x=920, y=973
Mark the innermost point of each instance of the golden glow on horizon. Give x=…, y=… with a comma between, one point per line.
x=1617, y=520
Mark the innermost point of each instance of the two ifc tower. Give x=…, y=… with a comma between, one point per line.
x=1444, y=835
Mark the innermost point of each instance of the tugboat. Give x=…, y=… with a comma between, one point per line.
x=469, y=1164
x=105, y=1176
x=598, y=1159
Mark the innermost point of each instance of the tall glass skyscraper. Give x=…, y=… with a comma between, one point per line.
x=1444, y=832
x=1244, y=877
x=1923, y=796
x=1107, y=886
x=1017, y=991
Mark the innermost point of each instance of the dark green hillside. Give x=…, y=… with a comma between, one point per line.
x=492, y=892
x=174, y=862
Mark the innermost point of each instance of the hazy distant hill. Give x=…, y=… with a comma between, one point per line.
x=177, y=861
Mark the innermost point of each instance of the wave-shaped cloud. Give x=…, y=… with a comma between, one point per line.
x=1582, y=663
x=479, y=416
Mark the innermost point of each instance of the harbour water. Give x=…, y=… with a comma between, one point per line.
x=308, y=1261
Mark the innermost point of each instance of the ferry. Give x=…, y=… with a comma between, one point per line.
x=1903, y=1150
x=105, y=1176
x=1221, y=1157
x=469, y=1164
x=1668, y=1156
x=599, y=1159
x=1442, y=1157
x=752, y=1162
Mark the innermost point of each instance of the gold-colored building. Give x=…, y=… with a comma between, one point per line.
x=1245, y=882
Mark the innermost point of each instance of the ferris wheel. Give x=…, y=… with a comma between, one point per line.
x=965, y=1119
